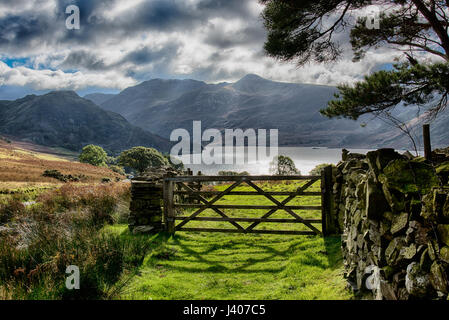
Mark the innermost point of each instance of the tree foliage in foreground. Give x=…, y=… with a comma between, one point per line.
x=305, y=31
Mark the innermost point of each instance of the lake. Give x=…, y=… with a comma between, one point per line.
x=305, y=158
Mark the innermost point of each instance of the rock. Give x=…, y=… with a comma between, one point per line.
x=393, y=251
x=399, y=223
x=409, y=252
x=409, y=176
x=444, y=254
x=395, y=199
x=444, y=217
x=387, y=290
x=143, y=229
x=417, y=282
x=428, y=211
x=408, y=155
x=433, y=249
x=344, y=154
x=443, y=171
x=379, y=159
x=425, y=262
x=376, y=204
x=443, y=232
x=438, y=278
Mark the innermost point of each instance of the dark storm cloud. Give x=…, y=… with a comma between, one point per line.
x=134, y=42
x=219, y=38
x=147, y=55
x=18, y=31
x=159, y=15
x=225, y=7
x=83, y=60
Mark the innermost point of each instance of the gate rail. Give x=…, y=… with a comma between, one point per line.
x=183, y=181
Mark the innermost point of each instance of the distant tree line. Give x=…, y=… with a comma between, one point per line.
x=138, y=159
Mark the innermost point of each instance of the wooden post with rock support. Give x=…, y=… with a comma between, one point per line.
x=328, y=220
x=427, y=144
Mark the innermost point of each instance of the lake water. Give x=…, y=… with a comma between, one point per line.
x=305, y=158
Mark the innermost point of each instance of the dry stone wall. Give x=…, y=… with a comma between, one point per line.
x=394, y=214
x=146, y=201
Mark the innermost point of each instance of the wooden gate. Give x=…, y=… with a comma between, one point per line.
x=180, y=186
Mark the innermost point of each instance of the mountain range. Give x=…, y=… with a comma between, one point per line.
x=161, y=106
x=64, y=119
x=147, y=113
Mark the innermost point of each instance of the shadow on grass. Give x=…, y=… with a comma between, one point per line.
x=164, y=249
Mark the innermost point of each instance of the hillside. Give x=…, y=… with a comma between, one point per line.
x=22, y=165
x=99, y=98
x=253, y=102
x=63, y=119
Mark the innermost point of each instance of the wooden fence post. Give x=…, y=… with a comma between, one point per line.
x=328, y=223
x=427, y=144
x=169, y=210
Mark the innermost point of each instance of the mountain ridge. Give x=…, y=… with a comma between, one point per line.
x=64, y=119
x=255, y=102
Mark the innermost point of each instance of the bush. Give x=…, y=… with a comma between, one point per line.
x=62, y=177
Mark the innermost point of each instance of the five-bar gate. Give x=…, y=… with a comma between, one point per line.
x=208, y=200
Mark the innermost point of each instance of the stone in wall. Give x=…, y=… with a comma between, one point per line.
x=395, y=213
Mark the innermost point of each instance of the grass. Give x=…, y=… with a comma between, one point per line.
x=236, y=266
x=67, y=226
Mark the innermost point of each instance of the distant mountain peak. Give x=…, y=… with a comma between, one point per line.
x=252, y=77
x=64, y=93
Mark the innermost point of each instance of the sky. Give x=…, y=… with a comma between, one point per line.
x=122, y=43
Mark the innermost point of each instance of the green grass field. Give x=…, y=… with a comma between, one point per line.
x=241, y=266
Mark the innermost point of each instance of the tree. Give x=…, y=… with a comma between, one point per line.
x=177, y=166
x=304, y=31
x=94, y=155
x=319, y=168
x=141, y=159
x=283, y=166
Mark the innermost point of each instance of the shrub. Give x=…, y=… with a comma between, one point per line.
x=62, y=177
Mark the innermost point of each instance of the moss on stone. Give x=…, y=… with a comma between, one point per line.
x=409, y=176
x=443, y=168
x=444, y=254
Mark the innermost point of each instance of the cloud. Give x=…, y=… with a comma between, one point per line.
x=123, y=42
x=58, y=80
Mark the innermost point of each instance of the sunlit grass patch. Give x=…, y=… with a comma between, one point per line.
x=193, y=265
